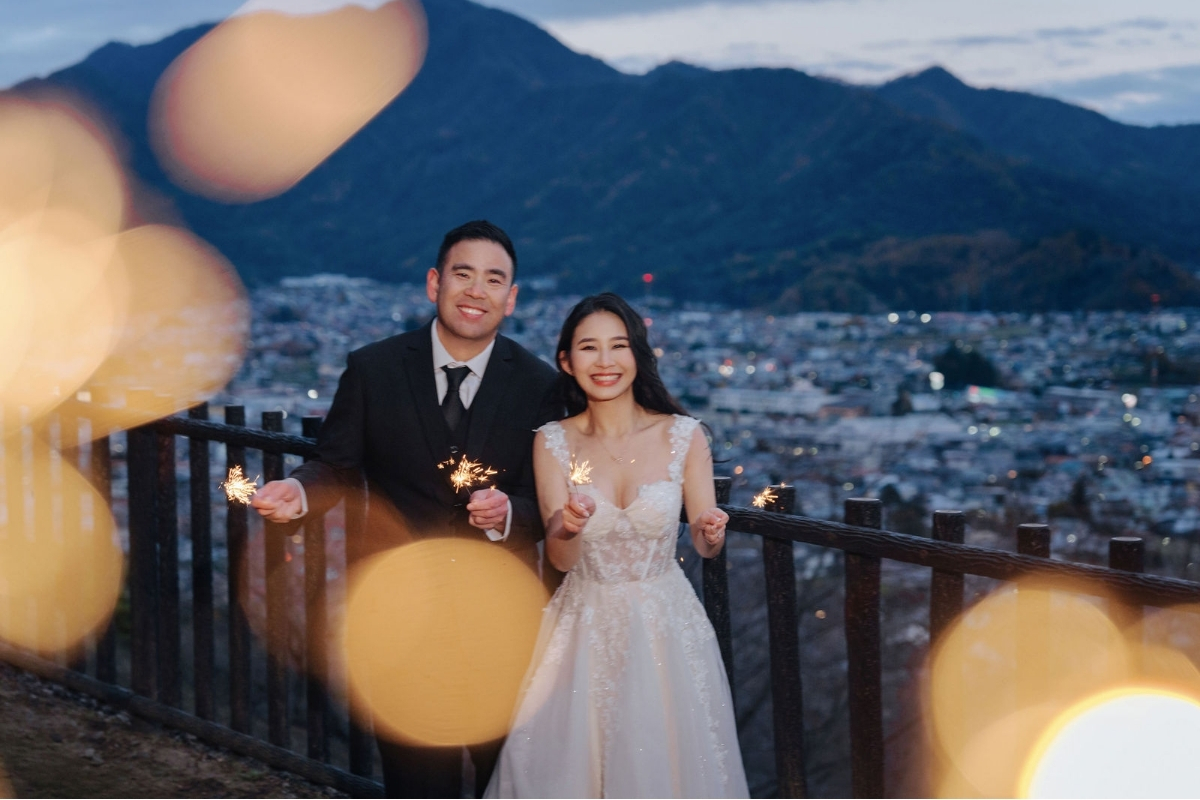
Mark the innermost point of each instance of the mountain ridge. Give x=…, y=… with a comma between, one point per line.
x=728, y=185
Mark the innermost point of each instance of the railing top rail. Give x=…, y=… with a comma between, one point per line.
x=254, y=438
x=1149, y=590
x=948, y=556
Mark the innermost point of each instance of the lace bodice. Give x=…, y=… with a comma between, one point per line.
x=636, y=542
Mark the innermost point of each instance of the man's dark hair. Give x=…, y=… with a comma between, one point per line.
x=477, y=230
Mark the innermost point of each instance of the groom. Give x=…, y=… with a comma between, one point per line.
x=412, y=401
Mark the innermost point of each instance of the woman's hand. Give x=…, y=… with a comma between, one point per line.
x=711, y=526
x=577, y=511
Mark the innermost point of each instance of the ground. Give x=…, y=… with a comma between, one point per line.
x=55, y=743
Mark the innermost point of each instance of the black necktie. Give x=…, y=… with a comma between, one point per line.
x=452, y=404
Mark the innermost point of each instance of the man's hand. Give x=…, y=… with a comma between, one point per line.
x=278, y=501
x=489, y=509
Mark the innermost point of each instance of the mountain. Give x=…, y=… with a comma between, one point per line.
x=752, y=187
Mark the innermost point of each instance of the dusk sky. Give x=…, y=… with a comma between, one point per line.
x=1138, y=63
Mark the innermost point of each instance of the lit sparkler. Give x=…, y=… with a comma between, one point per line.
x=762, y=498
x=467, y=473
x=237, y=488
x=581, y=472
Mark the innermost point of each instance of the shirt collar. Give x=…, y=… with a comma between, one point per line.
x=442, y=358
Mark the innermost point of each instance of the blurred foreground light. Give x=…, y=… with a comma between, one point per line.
x=60, y=574
x=62, y=198
x=53, y=158
x=268, y=94
x=1010, y=665
x=1129, y=742
x=185, y=332
x=64, y=303
x=438, y=635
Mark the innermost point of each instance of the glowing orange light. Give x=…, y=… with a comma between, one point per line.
x=437, y=637
x=1134, y=741
x=60, y=574
x=1005, y=670
x=264, y=97
x=185, y=333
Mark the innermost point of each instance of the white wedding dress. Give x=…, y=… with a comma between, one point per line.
x=626, y=695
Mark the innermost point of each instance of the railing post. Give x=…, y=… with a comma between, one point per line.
x=275, y=544
x=101, y=468
x=864, y=669
x=72, y=512
x=315, y=621
x=787, y=695
x=716, y=589
x=1126, y=553
x=170, y=689
x=1033, y=611
x=43, y=518
x=236, y=537
x=199, y=484
x=361, y=740
x=946, y=588
x=143, y=553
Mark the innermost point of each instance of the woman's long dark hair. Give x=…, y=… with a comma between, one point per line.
x=648, y=389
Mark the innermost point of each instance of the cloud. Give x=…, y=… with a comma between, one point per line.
x=1169, y=96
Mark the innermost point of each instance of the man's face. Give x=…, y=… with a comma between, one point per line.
x=474, y=292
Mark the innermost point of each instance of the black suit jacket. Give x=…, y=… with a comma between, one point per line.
x=385, y=427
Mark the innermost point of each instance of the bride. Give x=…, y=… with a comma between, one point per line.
x=627, y=695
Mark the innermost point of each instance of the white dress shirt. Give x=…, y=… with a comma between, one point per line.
x=466, y=392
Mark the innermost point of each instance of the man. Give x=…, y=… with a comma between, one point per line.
x=405, y=404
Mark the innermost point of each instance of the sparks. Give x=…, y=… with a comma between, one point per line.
x=468, y=473
x=762, y=498
x=581, y=472
x=237, y=488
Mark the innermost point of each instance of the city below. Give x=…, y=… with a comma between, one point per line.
x=1085, y=420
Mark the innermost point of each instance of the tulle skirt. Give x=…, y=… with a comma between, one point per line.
x=627, y=697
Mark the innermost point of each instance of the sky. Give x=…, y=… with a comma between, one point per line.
x=1136, y=62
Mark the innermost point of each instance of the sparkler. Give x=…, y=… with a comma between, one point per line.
x=581, y=473
x=237, y=488
x=762, y=498
x=468, y=473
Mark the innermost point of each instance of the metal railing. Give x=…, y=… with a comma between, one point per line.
x=156, y=672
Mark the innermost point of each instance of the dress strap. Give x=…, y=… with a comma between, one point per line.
x=681, y=439
x=556, y=443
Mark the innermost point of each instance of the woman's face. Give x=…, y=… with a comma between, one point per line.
x=601, y=359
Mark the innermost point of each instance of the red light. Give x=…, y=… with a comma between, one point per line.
x=647, y=277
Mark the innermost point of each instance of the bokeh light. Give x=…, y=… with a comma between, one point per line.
x=1008, y=667
x=267, y=95
x=437, y=637
x=1128, y=742
x=60, y=573
x=185, y=331
x=62, y=201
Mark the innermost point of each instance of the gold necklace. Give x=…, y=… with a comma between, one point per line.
x=619, y=459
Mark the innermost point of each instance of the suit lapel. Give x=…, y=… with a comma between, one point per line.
x=418, y=364
x=495, y=385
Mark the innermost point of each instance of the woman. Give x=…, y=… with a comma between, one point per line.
x=627, y=695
